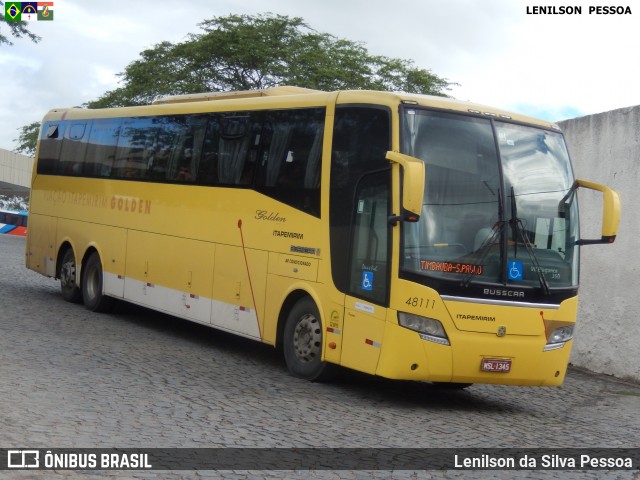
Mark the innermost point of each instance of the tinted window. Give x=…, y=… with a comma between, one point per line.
x=208, y=170
x=278, y=152
x=290, y=160
x=50, y=147
x=361, y=138
x=102, y=147
x=134, y=150
x=370, y=253
x=238, y=143
x=178, y=148
x=74, y=146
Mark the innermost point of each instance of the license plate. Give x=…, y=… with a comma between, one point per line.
x=496, y=365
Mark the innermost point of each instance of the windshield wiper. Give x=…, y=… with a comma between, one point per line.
x=518, y=230
x=483, y=250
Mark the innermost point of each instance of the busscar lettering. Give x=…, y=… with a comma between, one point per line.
x=503, y=293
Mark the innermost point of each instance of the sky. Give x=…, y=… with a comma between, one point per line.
x=553, y=67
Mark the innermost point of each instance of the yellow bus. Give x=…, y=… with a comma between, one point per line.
x=406, y=236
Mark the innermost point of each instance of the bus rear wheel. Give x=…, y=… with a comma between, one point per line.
x=92, y=286
x=302, y=343
x=68, y=286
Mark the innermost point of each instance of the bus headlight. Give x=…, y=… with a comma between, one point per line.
x=559, y=337
x=428, y=328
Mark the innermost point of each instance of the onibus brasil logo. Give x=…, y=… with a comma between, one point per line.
x=28, y=11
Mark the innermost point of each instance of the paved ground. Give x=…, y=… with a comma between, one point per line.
x=134, y=378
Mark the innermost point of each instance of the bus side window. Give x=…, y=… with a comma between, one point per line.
x=289, y=166
x=188, y=139
x=74, y=146
x=50, y=147
x=165, y=138
x=239, y=137
x=208, y=171
x=135, y=144
x=102, y=147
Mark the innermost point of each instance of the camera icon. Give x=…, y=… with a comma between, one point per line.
x=23, y=458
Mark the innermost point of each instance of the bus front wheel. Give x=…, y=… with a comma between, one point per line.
x=92, y=286
x=68, y=286
x=302, y=343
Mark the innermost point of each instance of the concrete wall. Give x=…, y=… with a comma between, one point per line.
x=15, y=168
x=605, y=148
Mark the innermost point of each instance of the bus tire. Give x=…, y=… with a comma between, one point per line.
x=302, y=343
x=92, y=286
x=68, y=286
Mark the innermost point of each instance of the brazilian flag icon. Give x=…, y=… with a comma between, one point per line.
x=13, y=12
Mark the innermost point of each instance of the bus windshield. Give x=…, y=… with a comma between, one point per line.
x=498, y=205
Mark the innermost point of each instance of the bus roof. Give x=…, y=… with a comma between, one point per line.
x=287, y=96
x=209, y=96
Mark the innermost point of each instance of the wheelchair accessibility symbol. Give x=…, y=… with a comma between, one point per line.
x=367, y=280
x=515, y=270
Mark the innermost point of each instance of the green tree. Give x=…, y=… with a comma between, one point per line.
x=28, y=139
x=16, y=29
x=244, y=52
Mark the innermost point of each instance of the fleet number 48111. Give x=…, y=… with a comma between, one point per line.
x=420, y=302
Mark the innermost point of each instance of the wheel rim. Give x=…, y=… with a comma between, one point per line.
x=307, y=338
x=68, y=275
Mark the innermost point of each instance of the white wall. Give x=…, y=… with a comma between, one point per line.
x=605, y=148
x=15, y=168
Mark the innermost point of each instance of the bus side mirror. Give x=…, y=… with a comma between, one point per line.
x=610, y=212
x=412, y=185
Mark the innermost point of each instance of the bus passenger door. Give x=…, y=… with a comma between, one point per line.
x=365, y=310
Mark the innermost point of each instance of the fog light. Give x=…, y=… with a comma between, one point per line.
x=428, y=328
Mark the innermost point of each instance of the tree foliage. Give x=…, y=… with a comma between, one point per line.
x=28, y=139
x=244, y=52
x=16, y=29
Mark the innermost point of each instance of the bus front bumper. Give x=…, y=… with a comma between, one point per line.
x=406, y=356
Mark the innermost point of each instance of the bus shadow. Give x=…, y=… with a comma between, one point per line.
x=347, y=383
x=420, y=395
x=196, y=333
